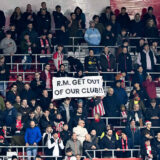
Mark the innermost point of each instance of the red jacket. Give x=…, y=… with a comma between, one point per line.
x=150, y=87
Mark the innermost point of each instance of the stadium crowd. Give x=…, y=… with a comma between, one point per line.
x=30, y=115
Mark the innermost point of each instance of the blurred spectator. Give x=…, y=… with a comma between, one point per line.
x=122, y=37
x=17, y=103
x=2, y=104
x=3, y=144
x=80, y=16
x=66, y=110
x=9, y=114
x=37, y=85
x=32, y=138
x=58, y=123
x=150, y=29
x=17, y=19
x=13, y=32
x=80, y=131
x=123, y=18
x=91, y=62
x=149, y=15
x=157, y=144
x=3, y=19
x=69, y=155
x=140, y=45
x=51, y=42
x=105, y=17
x=19, y=83
x=26, y=49
x=98, y=25
x=62, y=72
x=58, y=57
x=12, y=93
x=136, y=26
x=125, y=61
x=29, y=16
x=46, y=76
x=38, y=113
x=55, y=144
x=93, y=37
x=148, y=130
x=108, y=37
x=111, y=106
x=71, y=143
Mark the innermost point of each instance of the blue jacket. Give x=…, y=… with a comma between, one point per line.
x=32, y=135
x=92, y=36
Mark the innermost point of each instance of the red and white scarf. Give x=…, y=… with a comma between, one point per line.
x=48, y=80
x=124, y=115
x=99, y=108
x=59, y=126
x=148, y=149
x=123, y=145
x=43, y=46
x=58, y=59
x=29, y=47
x=18, y=125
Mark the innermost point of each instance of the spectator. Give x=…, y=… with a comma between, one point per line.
x=38, y=113
x=44, y=100
x=24, y=110
x=107, y=63
x=80, y=131
x=133, y=133
x=27, y=93
x=58, y=57
x=157, y=144
x=66, y=110
x=98, y=125
x=98, y=25
x=17, y=103
x=116, y=29
x=46, y=76
x=71, y=143
x=140, y=45
x=9, y=115
x=69, y=155
x=32, y=138
x=150, y=86
x=148, y=130
x=19, y=83
x=123, y=18
x=62, y=72
x=153, y=113
x=111, y=105
x=59, y=19
x=58, y=123
x=136, y=26
x=137, y=115
x=149, y=15
x=37, y=84
x=108, y=37
x=33, y=104
x=80, y=16
x=44, y=48
x=89, y=145
x=13, y=33
x=18, y=126
x=139, y=76
x=11, y=94
x=93, y=37
x=29, y=16
x=55, y=144
x=2, y=104
x=17, y=19
x=91, y=62
x=3, y=144
x=147, y=59
x=148, y=151
x=44, y=21
x=120, y=93
x=8, y=46
x=122, y=37
x=14, y=158
x=4, y=75
x=125, y=61
x=26, y=48
x=3, y=19
x=33, y=36
x=105, y=17
x=108, y=142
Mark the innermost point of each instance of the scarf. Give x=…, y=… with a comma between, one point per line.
x=148, y=149
x=123, y=145
x=43, y=46
x=124, y=115
x=29, y=47
x=108, y=59
x=18, y=125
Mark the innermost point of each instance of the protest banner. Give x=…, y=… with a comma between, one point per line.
x=77, y=87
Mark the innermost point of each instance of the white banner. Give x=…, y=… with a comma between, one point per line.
x=77, y=87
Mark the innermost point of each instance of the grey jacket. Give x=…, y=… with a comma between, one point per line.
x=8, y=46
x=75, y=146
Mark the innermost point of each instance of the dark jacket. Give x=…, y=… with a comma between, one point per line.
x=44, y=102
x=123, y=20
x=9, y=116
x=10, y=96
x=151, y=32
x=111, y=106
x=62, y=74
x=136, y=27
x=2, y=18
x=20, y=87
x=139, y=78
x=146, y=17
x=44, y=123
x=125, y=62
x=4, y=76
x=104, y=19
x=91, y=64
x=65, y=135
x=108, y=38
x=43, y=76
x=29, y=95
x=104, y=63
